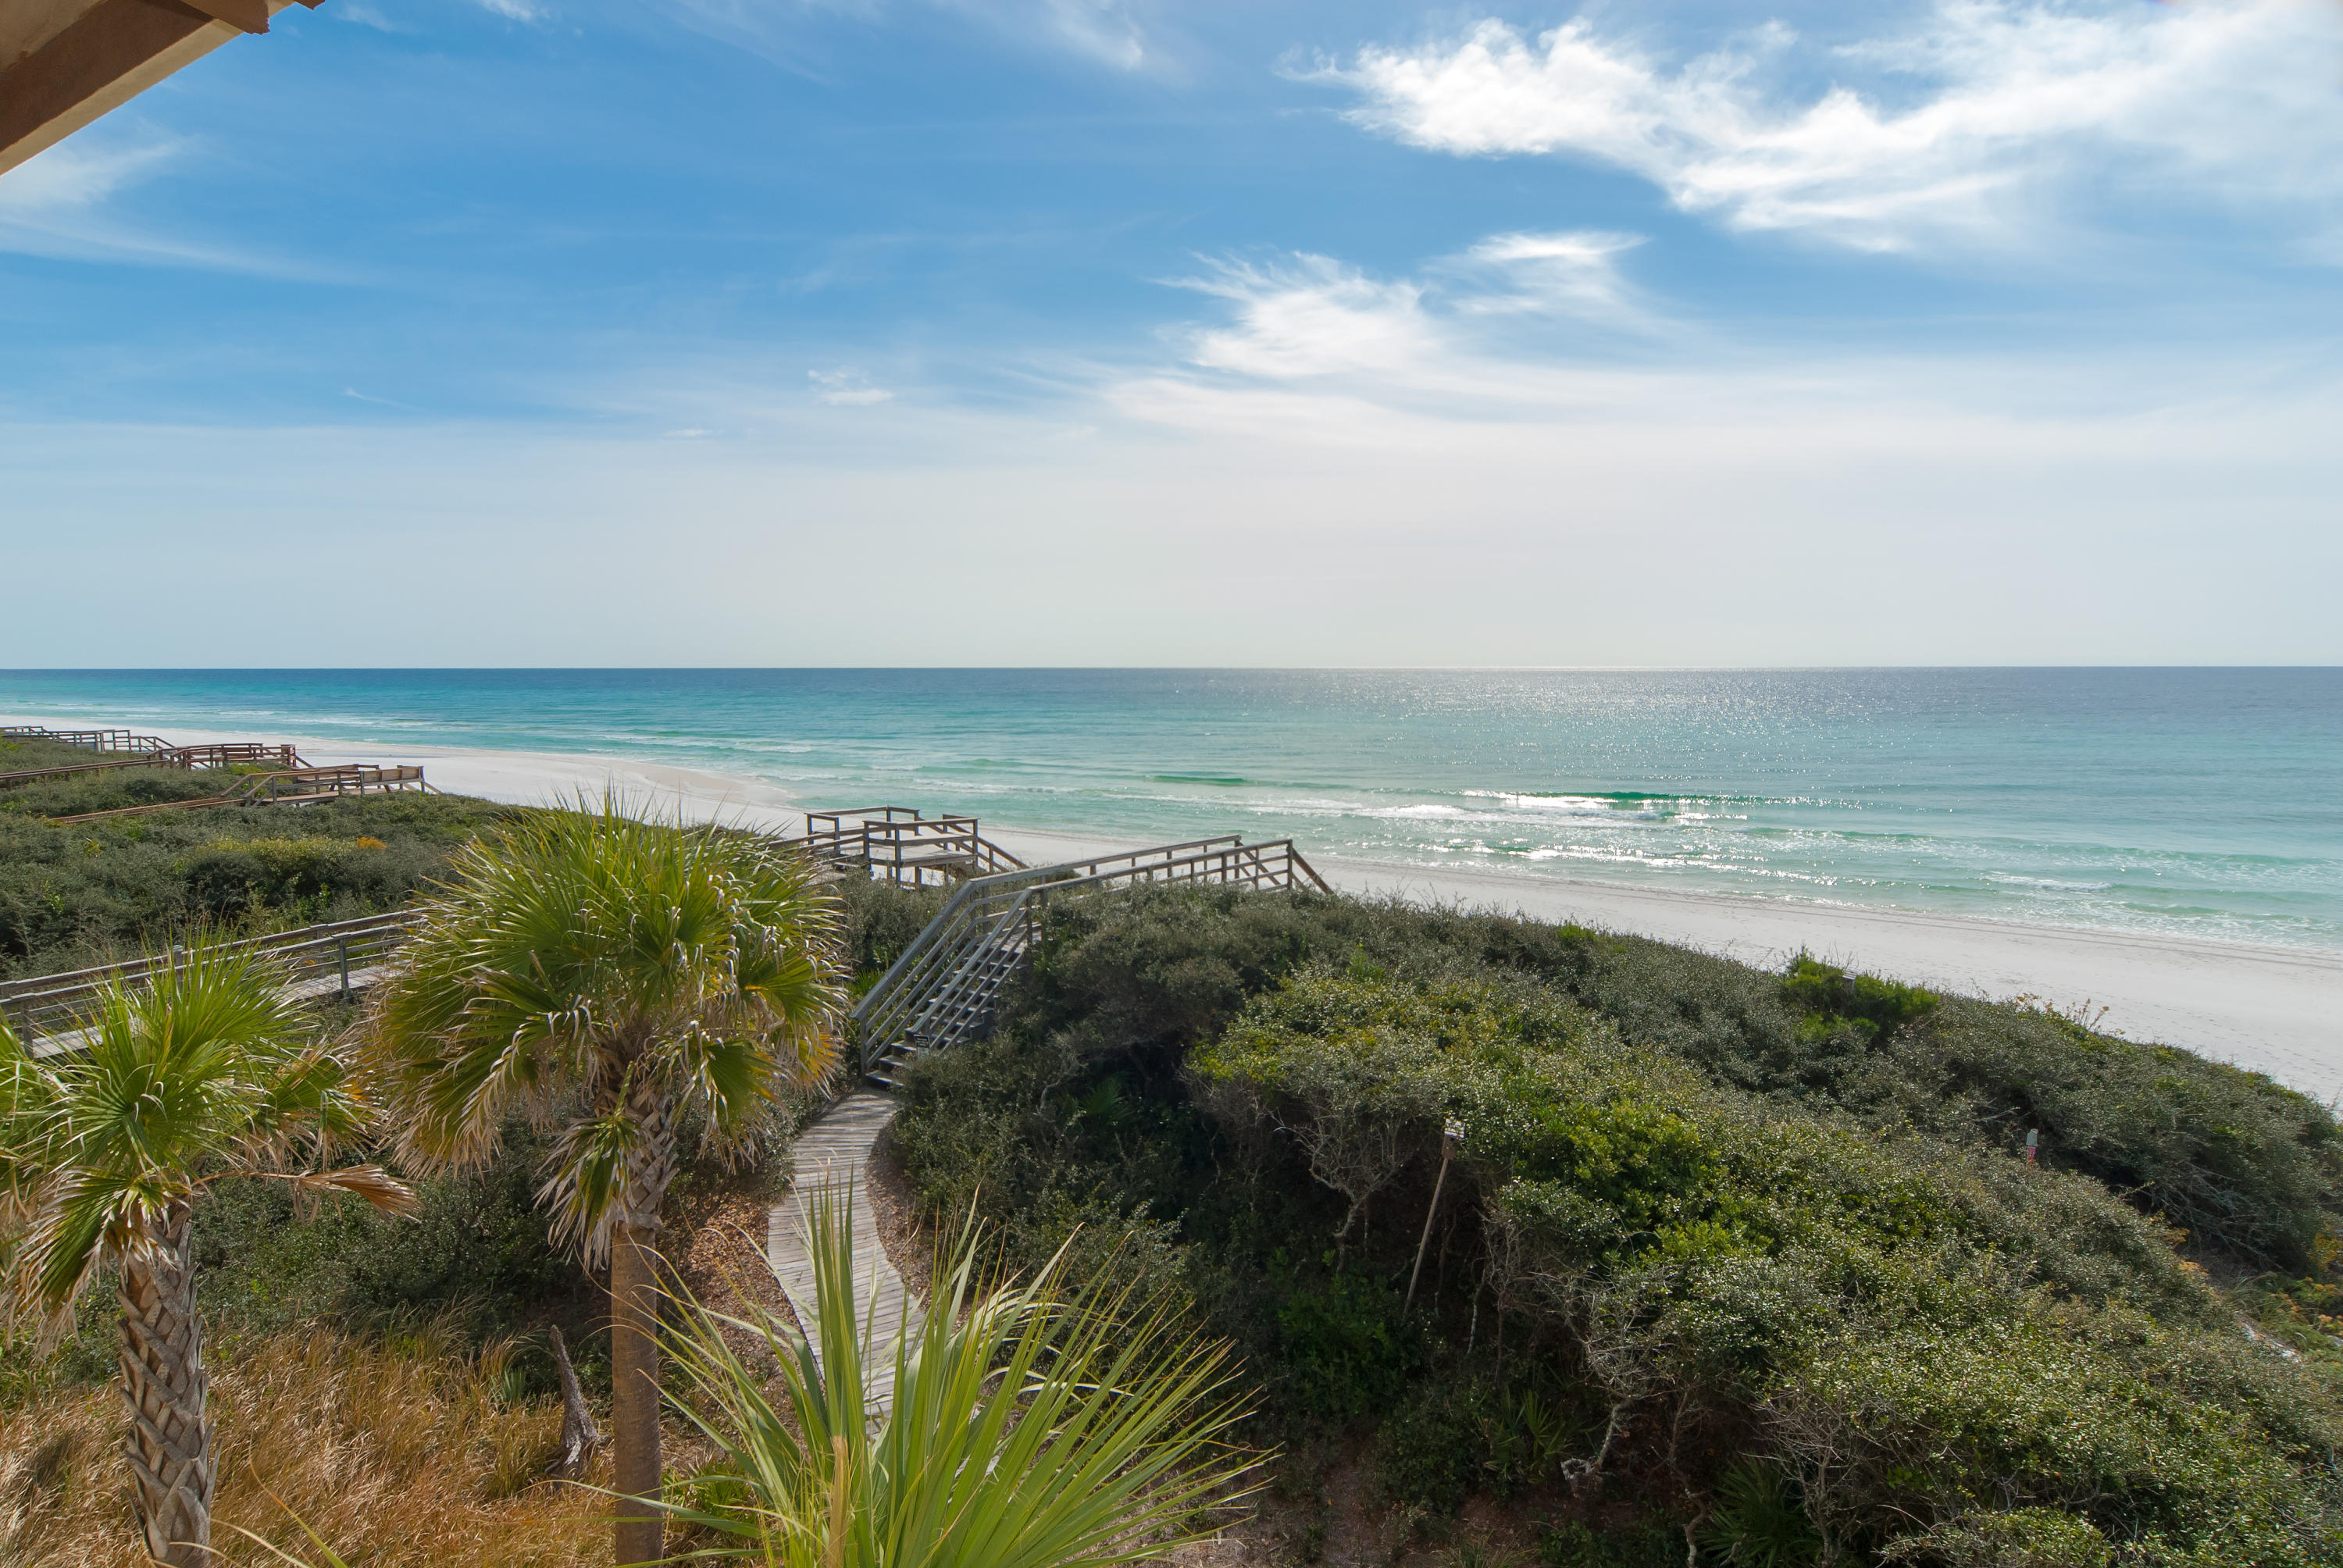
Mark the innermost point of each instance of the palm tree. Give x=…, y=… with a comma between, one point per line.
x=600, y=975
x=1033, y=1426
x=210, y=1073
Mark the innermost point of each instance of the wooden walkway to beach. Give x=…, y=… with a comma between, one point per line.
x=830, y=1158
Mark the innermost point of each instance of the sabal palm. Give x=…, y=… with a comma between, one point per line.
x=599, y=974
x=1029, y=1427
x=210, y=1073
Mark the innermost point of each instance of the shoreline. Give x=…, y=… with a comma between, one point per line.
x=2277, y=1011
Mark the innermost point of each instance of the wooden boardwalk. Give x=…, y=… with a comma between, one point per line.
x=830, y=1157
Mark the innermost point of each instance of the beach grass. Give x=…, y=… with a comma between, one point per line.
x=412, y=1444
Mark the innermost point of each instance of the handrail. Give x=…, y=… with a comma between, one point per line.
x=216, y=755
x=36, y=1003
x=898, y=843
x=941, y=989
x=96, y=740
x=979, y=888
x=293, y=785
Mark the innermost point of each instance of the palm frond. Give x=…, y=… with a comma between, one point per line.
x=579, y=951
x=203, y=1073
x=372, y=1183
x=1029, y=1428
x=585, y=1176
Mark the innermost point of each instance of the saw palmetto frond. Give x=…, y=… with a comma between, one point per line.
x=576, y=960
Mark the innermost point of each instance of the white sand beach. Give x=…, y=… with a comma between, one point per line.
x=2277, y=1011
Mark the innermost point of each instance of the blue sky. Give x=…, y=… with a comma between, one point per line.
x=1099, y=331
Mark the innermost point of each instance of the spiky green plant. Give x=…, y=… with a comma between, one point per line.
x=209, y=1072
x=600, y=974
x=1035, y=1426
x=1758, y=1520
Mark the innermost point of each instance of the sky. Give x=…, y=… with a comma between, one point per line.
x=1115, y=332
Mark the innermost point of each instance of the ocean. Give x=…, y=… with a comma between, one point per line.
x=2195, y=802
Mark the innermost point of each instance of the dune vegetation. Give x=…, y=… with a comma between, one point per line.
x=1725, y=1265
x=1539, y=1245
x=89, y=892
x=429, y=1450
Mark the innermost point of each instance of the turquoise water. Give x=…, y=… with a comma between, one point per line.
x=2196, y=802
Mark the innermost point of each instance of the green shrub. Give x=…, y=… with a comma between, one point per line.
x=1340, y=1349
x=2021, y=1538
x=1429, y=1450
x=478, y=1254
x=91, y=892
x=1698, y=1222
x=1574, y=1544
x=1828, y=995
x=881, y=920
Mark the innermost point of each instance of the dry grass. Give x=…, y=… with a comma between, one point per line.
x=397, y=1454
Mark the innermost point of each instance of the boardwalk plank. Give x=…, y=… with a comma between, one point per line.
x=832, y=1158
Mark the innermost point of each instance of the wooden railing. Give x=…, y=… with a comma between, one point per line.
x=291, y=787
x=897, y=845
x=318, y=960
x=944, y=987
x=217, y=755
x=231, y=754
x=942, y=991
x=96, y=740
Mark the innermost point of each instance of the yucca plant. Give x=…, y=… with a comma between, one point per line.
x=600, y=975
x=208, y=1073
x=1035, y=1426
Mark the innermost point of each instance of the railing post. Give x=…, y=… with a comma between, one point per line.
x=342, y=948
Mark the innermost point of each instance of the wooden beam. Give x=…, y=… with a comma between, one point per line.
x=115, y=51
x=109, y=53
x=244, y=15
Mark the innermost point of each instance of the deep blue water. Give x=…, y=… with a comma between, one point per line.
x=2202, y=802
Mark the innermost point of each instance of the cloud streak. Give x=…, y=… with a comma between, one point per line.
x=1116, y=34
x=847, y=388
x=1463, y=335
x=1962, y=128
x=59, y=204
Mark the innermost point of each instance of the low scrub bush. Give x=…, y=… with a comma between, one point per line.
x=881, y=920
x=90, y=892
x=1758, y=1245
x=477, y=1259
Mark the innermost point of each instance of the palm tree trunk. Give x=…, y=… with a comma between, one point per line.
x=634, y=1328
x=163, y=1382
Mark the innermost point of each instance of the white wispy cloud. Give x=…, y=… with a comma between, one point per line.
x=1304, y=317
x=1310, y=316
x=1124, y=36
x=513, y=10
x=845, y=388
x=72, y=178
x=1573, y=273
x=1966, y=125
x=65, y=203
x=1106, y=30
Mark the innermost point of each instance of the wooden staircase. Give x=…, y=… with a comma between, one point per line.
x=948, y=984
